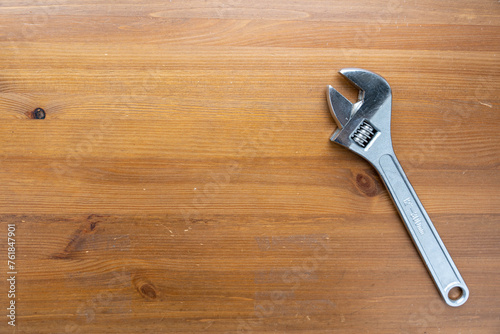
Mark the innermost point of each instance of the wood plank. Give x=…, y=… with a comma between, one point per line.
x=182, y=180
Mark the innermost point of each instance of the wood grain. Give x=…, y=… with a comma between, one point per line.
x=182, y=180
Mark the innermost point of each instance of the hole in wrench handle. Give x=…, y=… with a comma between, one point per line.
x=425, y=237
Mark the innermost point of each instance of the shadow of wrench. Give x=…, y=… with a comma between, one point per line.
x=365, y=128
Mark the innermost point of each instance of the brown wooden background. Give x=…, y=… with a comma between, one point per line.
x=182, y=180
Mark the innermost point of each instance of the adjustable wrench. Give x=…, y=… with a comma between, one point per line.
x=365, y=128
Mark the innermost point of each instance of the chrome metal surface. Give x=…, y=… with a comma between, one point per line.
x=365, y=128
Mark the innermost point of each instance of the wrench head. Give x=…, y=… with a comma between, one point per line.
x=363, y=124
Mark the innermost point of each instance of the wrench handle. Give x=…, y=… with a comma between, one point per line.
x=425, y=237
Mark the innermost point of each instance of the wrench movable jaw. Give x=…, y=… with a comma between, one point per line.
x=340, y=107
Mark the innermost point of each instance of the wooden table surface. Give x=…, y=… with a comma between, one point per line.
x=179, y=177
